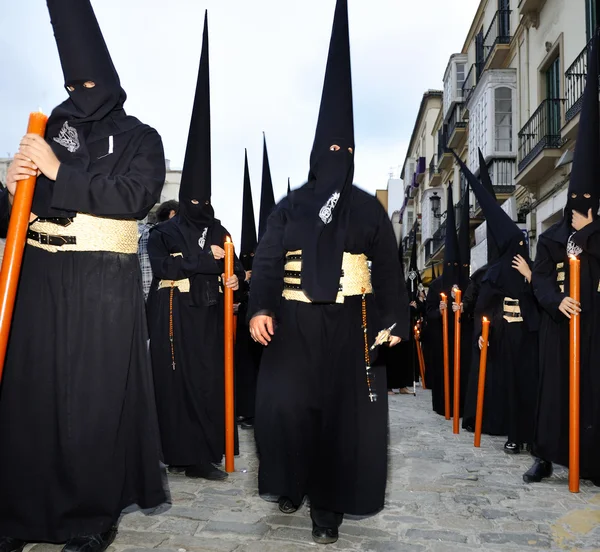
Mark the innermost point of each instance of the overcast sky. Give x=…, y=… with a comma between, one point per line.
x=267, y=64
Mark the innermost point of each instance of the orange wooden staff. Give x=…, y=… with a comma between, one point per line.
x=456, y=420
x=446, y=358
x=485, y=335
x=575, y=375
x=229, y=329
x=15, y=243
x=420, y=356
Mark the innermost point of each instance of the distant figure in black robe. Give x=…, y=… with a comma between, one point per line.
x=78, y=425
x=321, y=417
x=577, y=234
x=185, y=309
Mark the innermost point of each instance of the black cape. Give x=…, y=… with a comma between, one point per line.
x=87, y=444
x=552, y=418
x=312, y=399
x=190, y=398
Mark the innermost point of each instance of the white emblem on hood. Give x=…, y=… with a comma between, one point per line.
x=573, y=248
x=68, y=138
x=326, y=212
x=202, y=240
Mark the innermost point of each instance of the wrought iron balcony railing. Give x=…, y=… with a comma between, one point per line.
x=497, y=33
x=470, y=83
x=575, y=79
x=541, y=132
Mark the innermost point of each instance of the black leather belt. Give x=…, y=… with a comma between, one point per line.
x=511, y=303
x=60, y=221
x=512, y=314
x=47, y=239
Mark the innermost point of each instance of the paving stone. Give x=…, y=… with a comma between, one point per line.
x=436, y=535
x=236, y=528
x=374, y=546
x=520, y=539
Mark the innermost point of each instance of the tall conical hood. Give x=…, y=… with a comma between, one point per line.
x=289, y=189
x=433, y=272
x=486, y=181
x=325, y=199
x=464, y=241
x=451, y=274
x=249, y=242
x=501, y=226
x=196, y=174
x=401, y=256
x=267, y=198
x=414, y=278
x=584, y=189
x=84, y=57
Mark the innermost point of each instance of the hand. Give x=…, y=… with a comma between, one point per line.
x=218, y=252
x=394, y=341
x=248, y=275
x=443, y=306
x=236, y=308
x=20, y=169
x=521, y=265
x=569, y=306
x=413, y=304
x=578, y=221
x=261, y=329
x=39, y=152
x=457, y=307
x=480, y=342
x=231, y=283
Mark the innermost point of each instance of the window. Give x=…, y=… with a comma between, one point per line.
x=592, y=8
x=410, y=220
x=479, y=53
x=503, y=130
x=553, y=77
x=460, y=78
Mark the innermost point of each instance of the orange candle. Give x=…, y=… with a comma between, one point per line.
x=15, y=243
x=446, y=358
x=485, y=335
x=575, y=376
x=456, y=421
x=229, y=329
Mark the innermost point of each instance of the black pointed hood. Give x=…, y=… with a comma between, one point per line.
x=464, y=241
x=289, y=189
x=433, y=272
x=249, y=241
x=414, y=278
x=507, y=235
x=324, y=202
x=486, y=181
x=84, y=57
x=584, y=189
x=451, y=274
x=267, y=197
x=401, y=257
x=196, y=174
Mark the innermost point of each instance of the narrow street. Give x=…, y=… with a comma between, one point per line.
x=443, y=495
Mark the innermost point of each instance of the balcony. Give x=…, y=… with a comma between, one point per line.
x=470, y=83
x=502, y=174
x=435, y=176
x=496, y=42
x=444, y=156
x=540, y=141
x=437, y=242
x=575, y=79
x=457, y=127
x=421, y=169
x=531, y=6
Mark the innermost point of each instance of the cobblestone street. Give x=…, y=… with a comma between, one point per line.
x=443, y=495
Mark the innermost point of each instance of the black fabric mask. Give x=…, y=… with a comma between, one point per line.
x=201, y=214
x=501, y=273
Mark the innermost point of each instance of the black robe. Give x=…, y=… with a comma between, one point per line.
x=435, y=344
x=317, y=431
x=551, y=270
x=512, y=366
x=190, y=398
x=247, y=360
x=77, y=415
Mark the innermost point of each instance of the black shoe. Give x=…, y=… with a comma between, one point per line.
x=540, y=470
x=469, y=428
x=248, y=423
x=8, y=544
x=512, y=448
x=325, y=535
x=596, y=482
x=93, y=543
x=177, y=470
x=209, y=472
x=240, y=419
x=287, y=506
